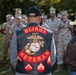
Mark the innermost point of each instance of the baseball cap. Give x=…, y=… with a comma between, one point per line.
x=33, y=12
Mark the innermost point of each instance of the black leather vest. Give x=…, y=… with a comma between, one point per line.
x=34, y=49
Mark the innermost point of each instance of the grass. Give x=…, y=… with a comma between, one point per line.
x=4, y=68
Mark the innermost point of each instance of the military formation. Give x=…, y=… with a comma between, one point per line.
x=58, y=24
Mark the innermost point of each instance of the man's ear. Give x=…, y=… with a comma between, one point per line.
x=39, y=19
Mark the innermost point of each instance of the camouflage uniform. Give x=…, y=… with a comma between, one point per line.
x=18, y=12
x=6, y=39
x=53, y=25
x=45, y=25
x=13, y=21
x=14, y=27
x=63, y=39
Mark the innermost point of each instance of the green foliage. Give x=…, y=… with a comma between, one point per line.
x=8, y=6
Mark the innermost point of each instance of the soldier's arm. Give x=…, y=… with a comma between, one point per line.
x=11, y=32
x=58, y=27
x=2, y=31
x=3, y=27
x=53, y=52
x=10, y=35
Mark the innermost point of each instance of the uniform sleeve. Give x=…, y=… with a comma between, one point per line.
x=45, y=26
x=11, y=30
x=23, y=21
x=53, y=52
x=4, y=26
x=47, y=22
x=13, y=51
x=58, y=26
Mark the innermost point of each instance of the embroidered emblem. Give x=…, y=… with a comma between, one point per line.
x=34, y=59
x=40, y=68
x=35, y=29
x=34, y=46
x=28, y=67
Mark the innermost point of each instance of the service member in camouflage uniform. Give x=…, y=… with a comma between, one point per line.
x=63, y=39
x=53, y=24
x=6, y=40
x=17, y=25
x=18, y=12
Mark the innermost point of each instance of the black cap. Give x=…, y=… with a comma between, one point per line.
x=34, y=10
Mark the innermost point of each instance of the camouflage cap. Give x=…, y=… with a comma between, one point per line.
x=8, y=16
x=52, y=10
x=64, y=12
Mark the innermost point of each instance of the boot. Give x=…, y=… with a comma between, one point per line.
x=59, y=68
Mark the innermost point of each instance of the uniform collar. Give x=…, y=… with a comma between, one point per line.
x=65, y=22
x=53, y=19
x=19, y=25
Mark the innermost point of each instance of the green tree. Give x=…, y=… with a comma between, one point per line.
x=8, y=6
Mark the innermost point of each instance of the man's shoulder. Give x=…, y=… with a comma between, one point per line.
x=13, y=25
x=5, y=23
x=23, y=25
x=22, y=28
x=31, y=29
x=48, y=20
x=58, y=19
x=45, y=25
x=49, y=31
